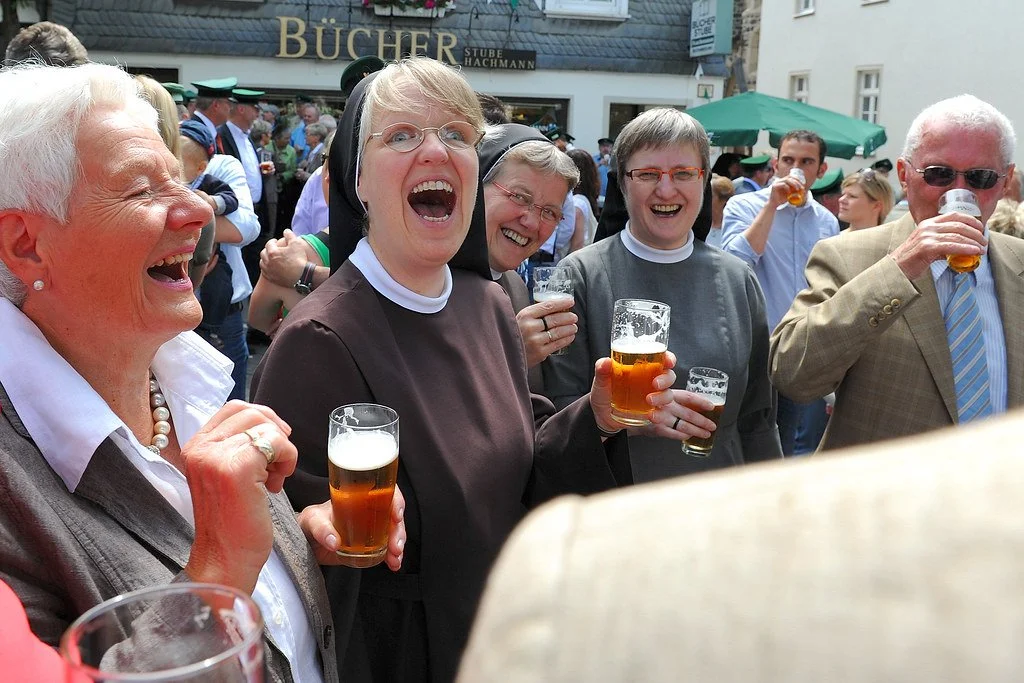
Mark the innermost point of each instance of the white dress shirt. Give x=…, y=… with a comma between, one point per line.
x=229, y=169
x=247, y=155
x=311, y=212
x=69, y=421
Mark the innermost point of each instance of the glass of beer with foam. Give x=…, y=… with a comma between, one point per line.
x=639, y=342
x=961, y=201
x=713, y=385
x=362, y=462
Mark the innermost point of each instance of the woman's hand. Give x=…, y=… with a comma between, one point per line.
x=546, y=327
x=230, y=464
x=317, y=522
x=667, y=403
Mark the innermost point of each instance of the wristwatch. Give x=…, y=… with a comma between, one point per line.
x=304, y=285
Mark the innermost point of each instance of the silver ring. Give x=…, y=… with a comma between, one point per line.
x=263, y=445
x=544, y=319
x=551, y=340
x=676, y=423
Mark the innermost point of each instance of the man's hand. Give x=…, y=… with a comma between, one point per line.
x=936, y=238
x=282, y=260
x=782, y=188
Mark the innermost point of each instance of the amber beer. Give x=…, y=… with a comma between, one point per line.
x=635, y=364
x=961, y=201
x=362, y=466
x=701, y=447
x=638, y=343
x=797, y=198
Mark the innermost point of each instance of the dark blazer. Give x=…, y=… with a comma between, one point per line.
x=64, y=552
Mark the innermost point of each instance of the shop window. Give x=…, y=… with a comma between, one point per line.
x=804, y=7
x=588, y=9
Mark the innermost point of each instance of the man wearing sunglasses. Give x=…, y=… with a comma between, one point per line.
x=907, y=343
x=775, y=237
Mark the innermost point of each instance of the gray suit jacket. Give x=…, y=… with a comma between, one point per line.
x=63, y=552
x=897, y=562
x=878, y=340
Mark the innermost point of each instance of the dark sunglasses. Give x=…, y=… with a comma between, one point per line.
x=944, y=176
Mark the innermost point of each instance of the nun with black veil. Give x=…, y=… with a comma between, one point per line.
x=413, y=320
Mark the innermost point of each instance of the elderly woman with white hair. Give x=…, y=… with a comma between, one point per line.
x=121, y=467
x=718, y=309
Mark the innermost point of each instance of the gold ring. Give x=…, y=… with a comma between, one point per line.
x=551, y=340
x=263, y=445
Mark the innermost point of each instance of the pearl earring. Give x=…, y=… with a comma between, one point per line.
x=38, y=285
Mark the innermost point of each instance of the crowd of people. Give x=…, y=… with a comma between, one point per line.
x=141, y=240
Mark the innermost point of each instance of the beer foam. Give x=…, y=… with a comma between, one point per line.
x=551, y=296
x=638, y=345
x=715, y=400
x=362, y=451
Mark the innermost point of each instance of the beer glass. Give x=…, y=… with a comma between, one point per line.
x=194, y=632
x=362, y=465
x=266, y=161
x=551, y=283
x=713, y=385
x=961, y=201
x=639, y=342
x=797, y=198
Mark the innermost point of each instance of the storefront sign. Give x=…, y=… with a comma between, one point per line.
x=326, y=40
x=499, y=58
x=711, y=28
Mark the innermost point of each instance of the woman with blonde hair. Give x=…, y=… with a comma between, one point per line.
x=866, y=200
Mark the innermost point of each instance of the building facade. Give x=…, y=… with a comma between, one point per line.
x=886, y=60
x=585, y=66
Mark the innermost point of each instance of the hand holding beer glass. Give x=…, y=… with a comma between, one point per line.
x=551, y=283
x=266, y=161
x=362, y=453
x=639, y=341
x=714, y=386
x=965, y=202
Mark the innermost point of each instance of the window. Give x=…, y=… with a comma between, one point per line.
x=587, y=9
x=799, y=87
x=868, y=81
x=804, y=7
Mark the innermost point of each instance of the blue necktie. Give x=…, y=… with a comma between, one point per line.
x=967, y=348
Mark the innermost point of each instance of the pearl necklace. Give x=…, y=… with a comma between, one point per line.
x=161, y=417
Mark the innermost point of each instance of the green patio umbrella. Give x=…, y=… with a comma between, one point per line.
x=736, y=121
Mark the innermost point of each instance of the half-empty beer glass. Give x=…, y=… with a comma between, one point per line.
x=961, y=201
x=362, y=461
x=714, y=386
x=551, y=283
x=183, y=632
x=639, y=341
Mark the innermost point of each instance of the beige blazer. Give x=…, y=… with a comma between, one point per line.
x=863, y=330
x=897, y=562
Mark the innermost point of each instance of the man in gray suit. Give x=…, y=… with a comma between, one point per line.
x=894, y=562
x=906, y=343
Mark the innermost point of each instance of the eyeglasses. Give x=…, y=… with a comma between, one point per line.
x=678, y=175
x=405, y=137
x=547, y=214
x=944, y=176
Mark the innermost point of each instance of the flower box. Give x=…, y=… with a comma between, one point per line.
x=415, y=12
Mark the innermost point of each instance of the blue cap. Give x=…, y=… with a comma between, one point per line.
x=198, y=133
